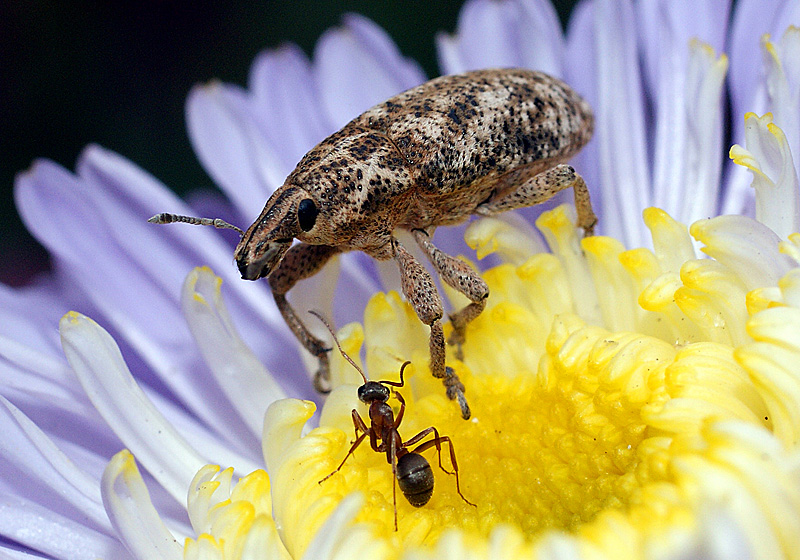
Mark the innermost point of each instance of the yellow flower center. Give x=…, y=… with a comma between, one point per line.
x=615, y=437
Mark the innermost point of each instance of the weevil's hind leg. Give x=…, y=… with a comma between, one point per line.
x=420, y=291
x=462, y=277
x=542, y=187
x=302, y=261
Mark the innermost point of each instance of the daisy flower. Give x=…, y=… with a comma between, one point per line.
x=630, y=398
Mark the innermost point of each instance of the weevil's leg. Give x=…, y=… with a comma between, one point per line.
x=462, y=277
x=420, y=291
x=302, y=261
x=542, y=187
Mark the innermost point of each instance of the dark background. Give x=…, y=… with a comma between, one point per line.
x=117, y=73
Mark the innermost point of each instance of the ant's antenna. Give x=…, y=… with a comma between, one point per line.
x=218, y=223
x=325, y=322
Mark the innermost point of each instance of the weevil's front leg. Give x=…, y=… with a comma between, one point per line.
x=542, y=187
x=461, y=276
x=420, y=291
x=302, y=261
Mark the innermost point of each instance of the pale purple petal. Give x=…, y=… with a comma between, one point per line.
x=620, y=118
x=581, y=74
x=26, y=450
x=491, y=34
x=688, y=129
x=668, y=25
x=231, y=146
x=286, y=106
x=357, y=66
x=121, y=261
x=41, y=529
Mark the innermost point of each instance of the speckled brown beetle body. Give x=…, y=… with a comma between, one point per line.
x=480, y=143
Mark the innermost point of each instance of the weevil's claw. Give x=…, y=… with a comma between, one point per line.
x=455, y=391
x=456, y=339
x=322, y=379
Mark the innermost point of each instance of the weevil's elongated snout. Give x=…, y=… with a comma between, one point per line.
x=266, y=241
x=257, y=259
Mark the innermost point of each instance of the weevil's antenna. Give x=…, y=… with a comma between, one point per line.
x=218, y=223
x=325, y=322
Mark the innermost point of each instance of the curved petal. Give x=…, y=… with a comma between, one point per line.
x=97, y=361
x=747, y=94
x=769, y=157
x=247, y=384
x=132, y=513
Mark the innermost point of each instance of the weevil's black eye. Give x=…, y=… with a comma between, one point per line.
x=307, y=214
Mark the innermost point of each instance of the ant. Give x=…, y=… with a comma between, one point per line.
x=411, y=470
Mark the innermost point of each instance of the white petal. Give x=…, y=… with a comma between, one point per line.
x=722, y=538
x=557, y=546
x=333, y=531
x=701, y=157
x=775, y=179
x=752, y=18
x=263, y=541
x=245, y=381
x=747, y=247
x=97, y=361
x=209, y=488
x=132, y=513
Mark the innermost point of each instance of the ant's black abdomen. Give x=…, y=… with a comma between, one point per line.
x=415, y=477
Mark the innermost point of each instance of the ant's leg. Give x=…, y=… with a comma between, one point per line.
x=401, y=412
x=392, y=452
x=302, y=261
x=420, y=291
x=359, y=425
x=437, y=441
x=462, y=277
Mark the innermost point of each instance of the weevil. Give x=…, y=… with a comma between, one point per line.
x=411, y=470
x=477, y=143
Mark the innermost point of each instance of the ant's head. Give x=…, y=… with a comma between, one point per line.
x=372, y=391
